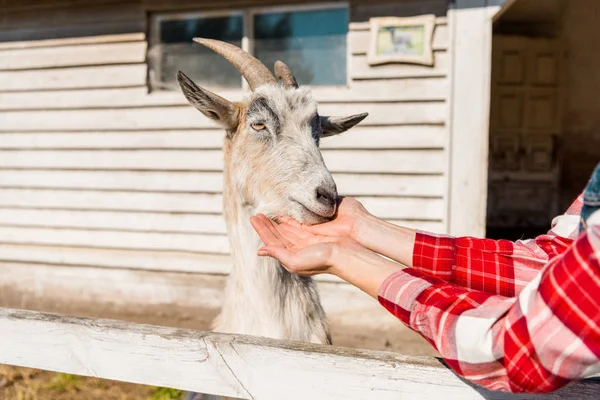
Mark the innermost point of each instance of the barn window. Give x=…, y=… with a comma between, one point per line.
x=311, y=40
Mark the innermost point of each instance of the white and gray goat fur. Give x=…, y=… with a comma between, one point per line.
x=275, y=170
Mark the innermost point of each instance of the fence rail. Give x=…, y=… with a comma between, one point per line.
x=232, y=365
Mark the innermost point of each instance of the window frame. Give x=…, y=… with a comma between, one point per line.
x=247, y=14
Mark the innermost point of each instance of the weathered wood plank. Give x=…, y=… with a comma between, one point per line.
x=194, y=243
x=182, y=139
x=389, y=185
x=210, y=182
x=140, y=221
x=76, y=28
x=71, y=78
x=405, y=207
x=88, y=14
x=383, y=161
x=29, y=44
x=359, y=40
x=118, y=221
x=120, y=201
x=150, y=260
x=383, y=207
x=73, y=55
x=219, y=363
x=360, y=69
x=372, y=137
x=392, y=90
x=185, y=117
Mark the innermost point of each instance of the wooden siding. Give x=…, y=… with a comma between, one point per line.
x=96, y=170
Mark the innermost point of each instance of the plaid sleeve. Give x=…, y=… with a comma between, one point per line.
x=546, y=337
x=494, y=266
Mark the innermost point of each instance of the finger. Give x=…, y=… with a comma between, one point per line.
x=274, y=229
x=290, y=221
x=263, y=231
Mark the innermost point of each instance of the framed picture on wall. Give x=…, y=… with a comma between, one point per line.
x=401, y=40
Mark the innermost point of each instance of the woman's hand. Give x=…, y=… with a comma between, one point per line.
x=307, y=253
x=349, y=212
x=300, y=251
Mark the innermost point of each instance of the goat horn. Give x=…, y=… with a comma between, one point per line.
x=285, y=75
x=255, y=73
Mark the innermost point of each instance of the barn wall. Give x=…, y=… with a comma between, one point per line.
x=95, y=171
x=581, y=147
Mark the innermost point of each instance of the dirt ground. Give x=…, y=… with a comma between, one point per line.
x=29, y=384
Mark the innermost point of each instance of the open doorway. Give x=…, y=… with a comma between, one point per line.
x=545, y=113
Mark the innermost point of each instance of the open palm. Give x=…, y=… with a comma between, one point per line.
x=300, y=251
x=349, y=210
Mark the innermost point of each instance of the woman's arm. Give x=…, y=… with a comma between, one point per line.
x=493, y=266
x=537, y=342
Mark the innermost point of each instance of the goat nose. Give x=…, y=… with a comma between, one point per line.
x=326, y=195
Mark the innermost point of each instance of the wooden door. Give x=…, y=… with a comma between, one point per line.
x=525, y=128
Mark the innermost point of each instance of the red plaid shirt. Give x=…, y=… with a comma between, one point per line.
x=515, y=317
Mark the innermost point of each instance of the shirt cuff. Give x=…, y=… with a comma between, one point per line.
x=400, y=291
x=434, y=254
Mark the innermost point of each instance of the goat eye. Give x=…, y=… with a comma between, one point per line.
x=258, y=127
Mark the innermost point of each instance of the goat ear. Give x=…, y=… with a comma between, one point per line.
x=336, y=125
x=211, y=105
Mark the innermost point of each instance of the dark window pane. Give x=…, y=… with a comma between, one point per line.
x=312, y=43
x=176, y=51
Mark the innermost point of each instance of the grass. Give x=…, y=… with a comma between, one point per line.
x=64, y=382
x=30, y=384
x=161, y=393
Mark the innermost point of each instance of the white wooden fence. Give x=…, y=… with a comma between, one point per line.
x=233, y=365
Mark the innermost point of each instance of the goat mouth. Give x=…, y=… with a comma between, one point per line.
x=320, y=216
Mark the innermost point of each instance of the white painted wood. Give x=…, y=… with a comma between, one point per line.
x=140, y=221
x=392, y=90
x=166, y=139
x=385, y=161
x=384, y=207
x=404, y=208
x=73, y=55
x=186, y=117
x=195, y=243
x=122, y=201
x=371, y=137
x=469, y=115
x=390, y=185
x=110, y=220
x=210, y=182
x=73, y=78
x=163, y=181
x=358, y=40
x=101, y=258
x=27, y=44
x=382, y=161
x=229, y=365
x=360, y=68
